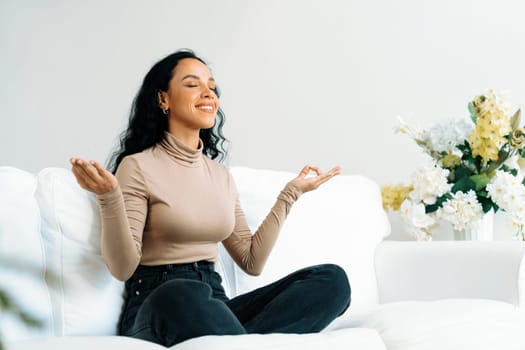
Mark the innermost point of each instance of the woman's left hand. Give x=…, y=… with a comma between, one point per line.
x=306, y=184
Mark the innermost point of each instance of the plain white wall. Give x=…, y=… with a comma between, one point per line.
x=317, y=82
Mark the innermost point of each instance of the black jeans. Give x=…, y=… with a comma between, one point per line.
x=168, y=304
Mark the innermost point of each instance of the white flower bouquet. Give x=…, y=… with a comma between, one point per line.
x=473, y=168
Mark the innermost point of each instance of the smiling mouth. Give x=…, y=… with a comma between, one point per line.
x=206, y=108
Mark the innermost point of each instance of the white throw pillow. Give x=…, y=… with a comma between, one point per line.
x=86, y=299
x=22, y=263
x=341, y=222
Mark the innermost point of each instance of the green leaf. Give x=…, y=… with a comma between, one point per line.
x=515, y=120
x=486, y=204
x=461, y=148
x=29, y=320
x=472, y=111
x=483, y=194
x=430, y=208
x=503, y=154
x=480, y=181
x=462, y=171
x=7, y=305
x=464, y=184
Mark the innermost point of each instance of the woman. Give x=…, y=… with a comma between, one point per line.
x=168, y=202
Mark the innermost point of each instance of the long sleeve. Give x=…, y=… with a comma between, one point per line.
x=249, y=251
x=123, y=212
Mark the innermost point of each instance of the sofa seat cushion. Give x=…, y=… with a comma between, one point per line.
x=352, y=338
x=84, y=343
x=449, y=324
x=356, y=338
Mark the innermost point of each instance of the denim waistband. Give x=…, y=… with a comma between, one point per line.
x=194, y=266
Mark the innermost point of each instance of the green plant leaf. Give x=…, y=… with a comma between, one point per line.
x=484, y=194
x=464, y=184
x=503, y=154
x=515, y=120
x=430, y=208
x=486, y=204
x=462, y=171
x=472, y=111
x=480, y=181
x=7, y=305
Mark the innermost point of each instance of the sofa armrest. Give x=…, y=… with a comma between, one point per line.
x=423, y=271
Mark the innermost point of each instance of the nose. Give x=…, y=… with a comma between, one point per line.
x=208, y=93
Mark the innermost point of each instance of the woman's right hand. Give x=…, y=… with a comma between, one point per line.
x=92, y=176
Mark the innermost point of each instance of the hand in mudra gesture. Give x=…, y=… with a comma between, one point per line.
x=92, y=176
x=306, y=184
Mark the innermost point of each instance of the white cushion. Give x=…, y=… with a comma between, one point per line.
x=352, y=338
x=86, y=299
x=85, y=343
x=22, y=263
x=341, y=222
x=452, y=324
x=357, y=338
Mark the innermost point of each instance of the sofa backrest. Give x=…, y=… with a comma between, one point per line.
x=451, y=269
x=57, y=227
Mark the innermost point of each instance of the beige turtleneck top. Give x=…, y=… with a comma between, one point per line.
x=173, y=205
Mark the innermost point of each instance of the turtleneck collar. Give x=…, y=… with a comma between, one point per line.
x=182, y=153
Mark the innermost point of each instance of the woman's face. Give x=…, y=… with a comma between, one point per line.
x=191, y=97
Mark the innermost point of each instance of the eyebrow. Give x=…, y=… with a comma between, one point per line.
x=195, y=77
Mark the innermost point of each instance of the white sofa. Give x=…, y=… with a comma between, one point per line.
x=405, y=295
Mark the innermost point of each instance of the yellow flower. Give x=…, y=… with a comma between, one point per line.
x=393, y=196
x=492, y=125
x=450, y=161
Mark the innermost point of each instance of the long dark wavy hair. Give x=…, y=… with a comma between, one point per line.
x=147, y=123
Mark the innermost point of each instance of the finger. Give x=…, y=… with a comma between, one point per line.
x=304, y=171
x=90, y=171
x=321, y=179
x=335, y=170
x=81, y=177
x=78, y=176
x=77, y=167
x=74, y=160
x=316, y=170
x=100, y=169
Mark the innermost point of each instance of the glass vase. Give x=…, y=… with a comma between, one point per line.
x=481, y=230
